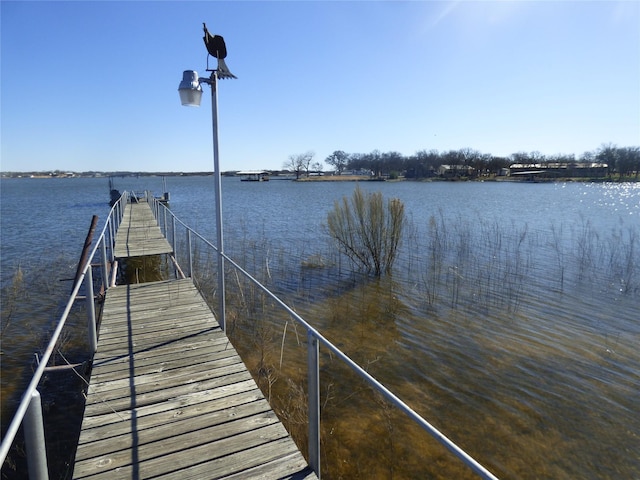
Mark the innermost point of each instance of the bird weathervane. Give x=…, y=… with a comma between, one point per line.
x=216, y=48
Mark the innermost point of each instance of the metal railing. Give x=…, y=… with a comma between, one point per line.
x=314, y=340
x=29, y=411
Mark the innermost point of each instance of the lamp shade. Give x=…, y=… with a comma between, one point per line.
x=190, y=89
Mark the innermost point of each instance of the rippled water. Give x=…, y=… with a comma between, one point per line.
x=511, y=320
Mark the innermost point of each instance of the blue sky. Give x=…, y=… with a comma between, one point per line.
x=93, y=85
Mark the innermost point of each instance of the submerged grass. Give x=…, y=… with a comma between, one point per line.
x=31, y=305
x=463, y=331
x=500, y=336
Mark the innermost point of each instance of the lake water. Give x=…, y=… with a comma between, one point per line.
x=511, y=320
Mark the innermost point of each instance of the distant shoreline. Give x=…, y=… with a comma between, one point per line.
x=321, y=178
x=511, y=179
x=334, y=178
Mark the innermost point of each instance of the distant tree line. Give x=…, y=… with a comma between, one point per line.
x=624, y=161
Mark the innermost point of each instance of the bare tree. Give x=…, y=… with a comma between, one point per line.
x=588, y=157
x=299, y=163
x=317, y=167
x=538, y=158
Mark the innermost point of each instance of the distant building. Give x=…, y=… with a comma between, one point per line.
x=455, y=171
x=361, y=172
x=560, y=169
x=254, y=175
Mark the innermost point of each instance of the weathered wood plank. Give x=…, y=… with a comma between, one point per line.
x=162, y=440
x=287, y=466
x=174, y=359
x=126, y=399
x=223, y=397
x=118, y=362
x=211, y=412
x=169, y=396
x=142, y=381
x=226, y=456
x=139, y=233
x=240, y=460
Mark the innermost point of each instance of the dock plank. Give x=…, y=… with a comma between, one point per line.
x=139, y=233
x=169, y=396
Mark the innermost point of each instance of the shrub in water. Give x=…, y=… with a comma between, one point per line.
x=367, y=230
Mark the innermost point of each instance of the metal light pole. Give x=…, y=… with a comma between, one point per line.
x=190, y=90
x=213, y=83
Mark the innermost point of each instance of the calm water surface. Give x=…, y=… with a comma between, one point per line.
x=511, y=320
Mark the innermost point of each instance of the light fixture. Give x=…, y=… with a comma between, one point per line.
x=190, y=89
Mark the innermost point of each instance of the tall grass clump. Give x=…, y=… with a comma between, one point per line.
x=367, y=231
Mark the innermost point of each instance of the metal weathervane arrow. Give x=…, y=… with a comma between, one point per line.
x=217, y=48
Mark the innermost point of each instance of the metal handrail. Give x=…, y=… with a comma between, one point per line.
x=315, y=338
x=29, y=410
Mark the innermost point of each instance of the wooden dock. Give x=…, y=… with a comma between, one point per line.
x=139, y=233
x=169, y=396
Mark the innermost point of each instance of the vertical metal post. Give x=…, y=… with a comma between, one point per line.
x=173, y=244
x=189, y=257
x=112, y=240
x=91, y=313
x=114, y=225
x=173, y=233
x=34, y=439
x=313, y=378
x=218, y=191
x=164, y=216
x=105, y=271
